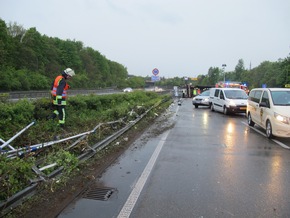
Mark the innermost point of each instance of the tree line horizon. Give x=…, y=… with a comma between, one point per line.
x=30, y=61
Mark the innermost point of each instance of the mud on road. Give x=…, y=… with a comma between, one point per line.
x=52, y=197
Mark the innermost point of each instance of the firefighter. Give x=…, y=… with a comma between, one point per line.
x=59, y=89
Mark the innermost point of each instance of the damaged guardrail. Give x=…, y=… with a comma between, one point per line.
x=11, y=152
x=14, y=137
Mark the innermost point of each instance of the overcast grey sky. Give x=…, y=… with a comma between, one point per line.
x=179, y=37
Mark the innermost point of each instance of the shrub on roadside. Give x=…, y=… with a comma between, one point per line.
x=83, y=114
x=14, y=175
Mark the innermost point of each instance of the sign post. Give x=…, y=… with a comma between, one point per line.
x=155, y=78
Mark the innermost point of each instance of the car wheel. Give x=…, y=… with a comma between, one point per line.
x=196, y=106
x=225, y=110
x=250, y=121
x=211, y=107
x=269, y=130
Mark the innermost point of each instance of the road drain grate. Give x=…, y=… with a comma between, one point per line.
x=98, y=193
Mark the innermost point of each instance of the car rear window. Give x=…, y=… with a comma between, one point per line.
x=255, y=95
x=216, y=93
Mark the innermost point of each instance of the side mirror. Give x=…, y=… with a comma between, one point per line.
x=263, y=104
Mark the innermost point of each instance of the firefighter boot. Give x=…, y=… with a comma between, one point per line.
x=52, y=116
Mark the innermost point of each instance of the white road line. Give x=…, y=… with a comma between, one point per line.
x=133, y=197
x=281, y=144
x=255, y=129
x=274, y=140
x=176, y=112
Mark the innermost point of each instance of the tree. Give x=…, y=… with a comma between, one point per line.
x=284, y=76
x=239, y=69
x=4, y=38
x=213, y=75
x=118, y=73
x=27, y=54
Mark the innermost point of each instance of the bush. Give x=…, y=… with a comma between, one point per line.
x=14, y=175
x=84, y=113
x=14, y=117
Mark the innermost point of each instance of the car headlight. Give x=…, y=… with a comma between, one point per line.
x=232, y=103
x=281, y=118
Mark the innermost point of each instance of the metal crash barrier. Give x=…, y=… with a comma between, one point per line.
x=11, y=152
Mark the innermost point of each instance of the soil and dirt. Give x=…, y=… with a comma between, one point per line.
x=52, y=198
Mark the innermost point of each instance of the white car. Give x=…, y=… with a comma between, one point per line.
x=201, y=99
x=228, y=100
x=269, y=108
x=128, y=90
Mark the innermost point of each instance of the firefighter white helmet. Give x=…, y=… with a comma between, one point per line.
x=69, y=72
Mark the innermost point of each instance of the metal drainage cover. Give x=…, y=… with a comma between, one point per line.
x=98, y=193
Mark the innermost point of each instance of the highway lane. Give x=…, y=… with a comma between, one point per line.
x=207, y=165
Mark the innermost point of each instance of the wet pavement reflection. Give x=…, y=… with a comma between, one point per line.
x=211, y=165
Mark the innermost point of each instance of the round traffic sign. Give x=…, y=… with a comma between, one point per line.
x=155, y=71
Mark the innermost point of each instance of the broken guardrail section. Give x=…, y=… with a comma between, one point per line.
x=11, y=152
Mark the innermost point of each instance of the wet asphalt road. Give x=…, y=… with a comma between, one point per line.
x=208, y=165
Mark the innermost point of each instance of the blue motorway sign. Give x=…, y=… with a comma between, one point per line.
x=155, y=78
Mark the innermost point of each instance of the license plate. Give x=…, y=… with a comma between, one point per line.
x=243, y=108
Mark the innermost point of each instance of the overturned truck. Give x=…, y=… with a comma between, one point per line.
x=190, y=91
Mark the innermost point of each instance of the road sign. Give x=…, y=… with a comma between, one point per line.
x=155, y=78
x=155, y=71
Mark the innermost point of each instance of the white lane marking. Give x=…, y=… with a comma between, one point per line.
x=255, y=129
x=176, y=112
x=281, y=144
x=133, y=197
x=274, y=140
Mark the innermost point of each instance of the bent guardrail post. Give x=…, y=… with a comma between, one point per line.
x=1, y=140
x=15, y=136
x=46, y=144
x=29, y=191
x=32, y=148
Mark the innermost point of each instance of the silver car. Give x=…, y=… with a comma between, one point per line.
x=201, y=99
x=128, y=90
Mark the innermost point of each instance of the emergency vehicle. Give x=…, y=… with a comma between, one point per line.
x=232, y=84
